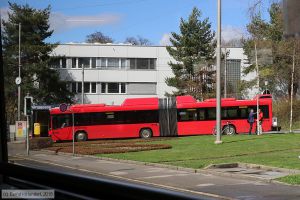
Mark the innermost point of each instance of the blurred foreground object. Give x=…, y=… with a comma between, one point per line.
x=291, y=18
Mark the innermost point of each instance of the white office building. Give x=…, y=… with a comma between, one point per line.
x=115, y=72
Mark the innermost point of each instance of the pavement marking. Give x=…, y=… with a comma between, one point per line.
x=118, y=173
x=260, y=183
x=137, y=181
x=163, y=176
x=76, y=158
x=43, y=155
x=106, y=162
x=205, y=184
x=154, y=170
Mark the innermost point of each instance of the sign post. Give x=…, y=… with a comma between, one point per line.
x=27, y=111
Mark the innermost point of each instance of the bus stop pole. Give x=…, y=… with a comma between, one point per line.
x=218, y=108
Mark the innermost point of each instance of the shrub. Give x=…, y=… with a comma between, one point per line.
x=40, y=142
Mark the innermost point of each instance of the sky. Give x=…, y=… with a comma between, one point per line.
x=73, y=20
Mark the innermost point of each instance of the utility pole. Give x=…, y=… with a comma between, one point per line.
x=225, y=74
x=19, y=77
x=218, y=108
x=292, y=88
x=82, y=85
x=257, y=97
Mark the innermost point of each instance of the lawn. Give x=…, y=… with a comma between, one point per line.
x=292, y=179
x=278, y=150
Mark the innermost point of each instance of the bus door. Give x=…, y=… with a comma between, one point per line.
x=168, y=117
x=61, y=127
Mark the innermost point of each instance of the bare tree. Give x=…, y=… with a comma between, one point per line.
x=138, y=41
x=98, y=37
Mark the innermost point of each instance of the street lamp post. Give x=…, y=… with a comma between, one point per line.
x=19, y=77
x=82, y=84
x=218, y=108
x=257, y=97
x=266, y=84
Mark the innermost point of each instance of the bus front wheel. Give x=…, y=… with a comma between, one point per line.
x=81, y=136
x=146, y=133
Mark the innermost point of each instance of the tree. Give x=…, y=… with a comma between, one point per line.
x=268, y=36
x=34, y=59
x=138, y=41
x=193, y=49
x=98, y=37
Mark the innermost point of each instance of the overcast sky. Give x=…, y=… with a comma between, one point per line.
x=72, y=20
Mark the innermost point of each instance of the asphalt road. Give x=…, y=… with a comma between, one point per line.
x=209, y=185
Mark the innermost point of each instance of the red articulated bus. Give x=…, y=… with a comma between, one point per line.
x=153, y=117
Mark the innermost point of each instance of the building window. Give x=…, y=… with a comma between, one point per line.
x=152, y=63
x=103, y=87
x=123, y=63
x=108, y=63
x=74, y=63
x=86, y=87
x=89, y=87
x=85, y=62
x=94, y=88
x=63, y=63
x=123, y=88
x=132, y=63
x=112, y=63
x=113, y=88
x=79, y=87
x=93, y=62
x=142, y=63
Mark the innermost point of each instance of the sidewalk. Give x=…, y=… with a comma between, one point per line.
x=200, y=182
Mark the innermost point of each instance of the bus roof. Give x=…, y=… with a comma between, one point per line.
x=152, y=103
x=128, y=104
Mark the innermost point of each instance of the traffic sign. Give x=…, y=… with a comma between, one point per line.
x=18, y=80
x=63, y=107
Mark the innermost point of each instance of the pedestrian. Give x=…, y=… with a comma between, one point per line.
x=260, y=118
x=251, y=120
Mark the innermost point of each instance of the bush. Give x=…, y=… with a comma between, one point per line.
x=40, y=142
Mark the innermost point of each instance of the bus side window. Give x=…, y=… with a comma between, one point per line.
x=244, y=113
x=201, y=114
x=61, y=121
x=211, y=113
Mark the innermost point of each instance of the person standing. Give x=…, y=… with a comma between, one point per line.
x=251, y=120
x=260, y=118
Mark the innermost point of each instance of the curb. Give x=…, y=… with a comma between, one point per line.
x=191, y=170
x=252, y=166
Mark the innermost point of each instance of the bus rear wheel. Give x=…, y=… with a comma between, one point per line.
x=229, y=130
x=146, y=133
x=81, y=136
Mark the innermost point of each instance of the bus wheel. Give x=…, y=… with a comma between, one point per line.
x=145, y=133
x=81, y=136
x=229, y=130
